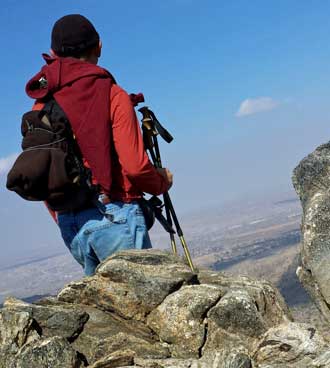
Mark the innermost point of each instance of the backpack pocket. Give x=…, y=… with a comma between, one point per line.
x=39, y=173
x=50, y=168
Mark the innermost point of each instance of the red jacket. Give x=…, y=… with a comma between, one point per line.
x=104, y=123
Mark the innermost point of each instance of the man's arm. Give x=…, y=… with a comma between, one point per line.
x=128, y=141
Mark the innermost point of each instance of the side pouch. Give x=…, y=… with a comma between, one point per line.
x=148, y=212
x=39, y=173
x=29, y=175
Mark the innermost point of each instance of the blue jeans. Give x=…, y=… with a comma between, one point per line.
x=91, y=237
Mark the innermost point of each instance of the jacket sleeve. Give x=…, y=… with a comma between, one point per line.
x=128, y=142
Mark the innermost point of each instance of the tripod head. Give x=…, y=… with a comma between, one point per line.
x=153, y=126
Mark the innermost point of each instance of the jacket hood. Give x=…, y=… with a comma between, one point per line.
x=61, y=72
x=82, y=90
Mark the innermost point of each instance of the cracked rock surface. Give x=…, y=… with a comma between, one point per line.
x=311, y=179
x=147, y=309
x=180, y=319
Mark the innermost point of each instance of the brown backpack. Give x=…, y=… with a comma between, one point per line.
x=50, y=168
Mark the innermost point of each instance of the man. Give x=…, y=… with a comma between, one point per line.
x=105, y=126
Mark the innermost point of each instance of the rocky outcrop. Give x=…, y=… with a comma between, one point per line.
x=147, y=309
x=22, y=345
x=131, y=286
x=292, y=345
x=311, y=179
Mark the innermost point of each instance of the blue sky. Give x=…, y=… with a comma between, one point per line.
x=243, y=86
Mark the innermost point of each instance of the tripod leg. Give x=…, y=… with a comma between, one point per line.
x=173, y=244
x=169, y=220
x=155, y=155
x=170, y=208
x=187, y=253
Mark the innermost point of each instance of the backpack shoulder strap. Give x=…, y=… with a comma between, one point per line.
x=54, y=110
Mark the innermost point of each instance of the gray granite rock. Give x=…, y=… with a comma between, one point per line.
x=167, y=363
x=292, y=345
x=217, y=359
x=179, y=320
x=121, y=358
x=131, y=283
x=269, y=302
x=54, y=320
x=311, y=179
x=16, y=330
x=234, y=323
x=247, y=309
x=54, y=352
x=141, y=347
x=105, y=333
x=147, y=309
x=224, y=358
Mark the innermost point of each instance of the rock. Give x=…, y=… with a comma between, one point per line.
x=268, y=299
x=179, y=320
x=117, y=359
x=21, y=345
x=16, y=330
x=54, y=352
x=140, y=347
x=167, y=363
x=57, y=320
x=105, y=333
x=131, y=283
x=311, y=179
x=217, y=359
x=17, y=327
x=246, y=310
x=147, y=309
x=292, y=345
x=225, y=359
x=234, y=322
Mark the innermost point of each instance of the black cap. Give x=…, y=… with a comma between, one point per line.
x=73, y=34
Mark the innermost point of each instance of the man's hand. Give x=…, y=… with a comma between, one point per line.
x=166, y=173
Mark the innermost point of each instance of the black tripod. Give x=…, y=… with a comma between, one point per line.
x=151, y=127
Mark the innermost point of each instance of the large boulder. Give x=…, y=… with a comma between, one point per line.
x=311, y=179
x=131, y=283
x=180, y=319
x=234, y=323
x=269, y=302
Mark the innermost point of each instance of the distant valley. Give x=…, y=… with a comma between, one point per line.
x=258, y=238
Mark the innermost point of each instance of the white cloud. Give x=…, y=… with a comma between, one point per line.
x=6, y=163
x=252, y=106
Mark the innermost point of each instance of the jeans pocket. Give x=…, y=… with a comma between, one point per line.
x=113, y=216
x=109, y=238
x=117, y=213
x=118, y=217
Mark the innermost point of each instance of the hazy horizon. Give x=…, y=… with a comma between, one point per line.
x=242, y=87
